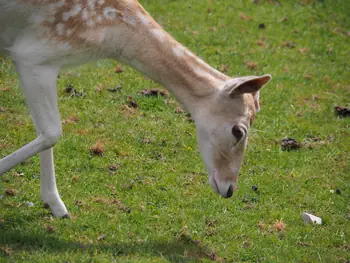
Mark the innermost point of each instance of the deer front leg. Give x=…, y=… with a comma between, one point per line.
x=39, y=88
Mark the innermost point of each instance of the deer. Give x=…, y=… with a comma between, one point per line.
x=43, y=36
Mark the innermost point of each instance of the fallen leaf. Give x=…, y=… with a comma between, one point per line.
x=342, y=111
x=285, y=69
x=307, y=76
x=70, y=120
x=179, y=110
x=100, y=88
x=326, y=79
x=82, y=132
x=6, y=250
x=80, y=203
x=279, y=225
x=69, y=88
x=288, y=144
x=304, y=50
x=261, y=225
x=75, y=178
x=116, y=89
x=244, y=16
x=50, y=228
x=246, y=244
x=154, y=92
x=101, y=237
x=118, y=69
x=121, y=206
x=251, y=64
x=132, y=103
x=113, y=167
x=284, y=19
x=261, y=43
x=97, y=149
x=10, y=192
x=289, y=44
x=128, y=111
x=147, y=140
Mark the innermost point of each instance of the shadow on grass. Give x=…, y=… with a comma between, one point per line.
x=181, y=249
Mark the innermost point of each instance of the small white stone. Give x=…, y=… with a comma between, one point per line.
x=29, y=204
x=311, y=219
x=331, y=191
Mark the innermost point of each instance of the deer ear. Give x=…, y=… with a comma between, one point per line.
x=250, y=84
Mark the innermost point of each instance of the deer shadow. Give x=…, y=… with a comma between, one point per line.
x=181, y=249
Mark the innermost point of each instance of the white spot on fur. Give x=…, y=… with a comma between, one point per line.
x=69, y=32
x=200, y=61
x=110, y=13
x=99, y=19
x=90, y=22
x=100, y=2
x=94, y=37
x=189, y=53
x=76, y=9
x=159, y=34
x=201, y=73
x=85, y=15
x=129, y=18
x=179, y=51
x=143, y=18
x=71, y=13
x=91, y=4
x=66, y=16
x=60, y=29
x=130, y=2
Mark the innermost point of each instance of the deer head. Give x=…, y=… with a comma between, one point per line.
x=223, y=124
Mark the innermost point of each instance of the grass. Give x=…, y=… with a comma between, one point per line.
x=156, y=206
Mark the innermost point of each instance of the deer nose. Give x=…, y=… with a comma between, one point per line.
x=229, y=192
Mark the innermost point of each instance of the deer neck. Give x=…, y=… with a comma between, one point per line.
x=155, y=53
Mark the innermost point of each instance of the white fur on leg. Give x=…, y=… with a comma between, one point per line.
x=48, y=189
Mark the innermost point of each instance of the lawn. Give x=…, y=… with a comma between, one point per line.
x=147, y=199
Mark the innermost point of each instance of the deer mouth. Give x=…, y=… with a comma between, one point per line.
x=213, y=184
x=225, y=189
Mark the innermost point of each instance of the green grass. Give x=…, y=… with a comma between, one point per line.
x=163, y=182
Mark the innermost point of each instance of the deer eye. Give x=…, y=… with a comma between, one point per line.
x=237, y=132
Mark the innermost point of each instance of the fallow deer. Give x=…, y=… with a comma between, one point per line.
x=42, y=36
